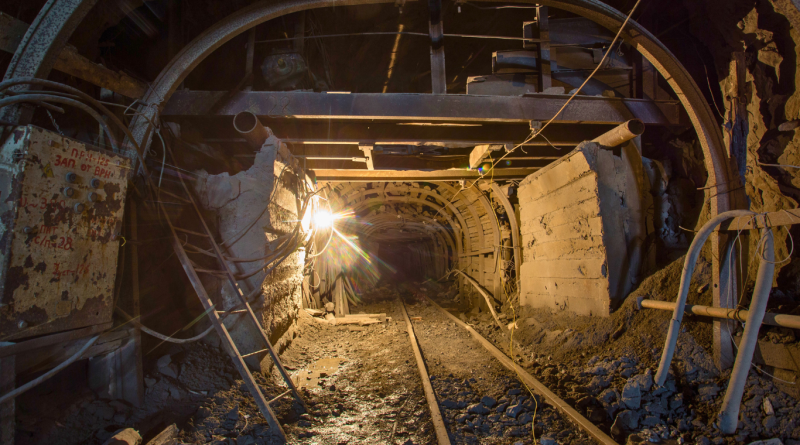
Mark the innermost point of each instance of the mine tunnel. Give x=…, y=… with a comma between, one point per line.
x=399, y=222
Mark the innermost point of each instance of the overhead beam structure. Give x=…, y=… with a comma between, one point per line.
x=418, y=175
x=451, y=108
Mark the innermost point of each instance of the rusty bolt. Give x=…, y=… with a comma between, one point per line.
x=52, y=143
x=95, y=183
x=22, y=324
x=28, y=230
x=93, y=197
x=69, y=192
x=79, y=207
x=71, y=177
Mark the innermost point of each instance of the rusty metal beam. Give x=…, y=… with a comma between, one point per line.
x=499, y=174
x=425, y=107
x=316, y=132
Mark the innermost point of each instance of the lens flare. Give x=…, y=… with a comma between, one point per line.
x=323, y=219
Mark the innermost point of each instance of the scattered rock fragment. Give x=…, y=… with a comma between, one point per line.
x=127, y=436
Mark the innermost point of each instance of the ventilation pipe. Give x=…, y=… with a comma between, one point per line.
x=248, y=125
x=620, y=134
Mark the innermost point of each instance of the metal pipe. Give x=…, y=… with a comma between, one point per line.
x=620, y=134
x=35, y=382
x=333, y=158
x=683, y=292
x=485, y=295
x=248, y=125
x=729, y=412
x=782, y=320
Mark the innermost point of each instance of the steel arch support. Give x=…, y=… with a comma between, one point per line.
x=346, y=199
x=367, y=202
x=37, y=53
x=703, y=121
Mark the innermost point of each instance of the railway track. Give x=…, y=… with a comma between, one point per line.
x=501, y=403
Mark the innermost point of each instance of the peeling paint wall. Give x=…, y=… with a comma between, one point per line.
x=60, y=220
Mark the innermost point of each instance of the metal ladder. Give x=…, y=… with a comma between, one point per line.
x=214, y=315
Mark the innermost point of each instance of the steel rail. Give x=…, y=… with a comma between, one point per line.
x=436, y=414
x=531, y=381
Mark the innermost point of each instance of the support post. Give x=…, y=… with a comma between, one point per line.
x=248, y=64
x=725, y=272
x=543, y=50
x=8, y=377
x=367, y=149
x=131, y=350
x=173, y=27
x=436, y=31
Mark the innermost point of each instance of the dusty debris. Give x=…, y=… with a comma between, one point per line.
x=127, y=436
x=167, y=437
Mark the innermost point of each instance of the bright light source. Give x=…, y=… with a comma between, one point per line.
x=323, y=219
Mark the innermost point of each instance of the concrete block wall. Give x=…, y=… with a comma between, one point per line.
x=581, y=226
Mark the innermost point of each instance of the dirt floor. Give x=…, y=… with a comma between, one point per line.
x=362, y=385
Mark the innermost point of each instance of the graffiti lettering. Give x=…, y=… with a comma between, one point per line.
x=41, y=203
x=80, y=269
x=54, y=242
x=64, y=162
x=90, y=157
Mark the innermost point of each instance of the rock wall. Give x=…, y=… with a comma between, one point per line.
x=755, y=47
x=582, y=227
x=253, y=210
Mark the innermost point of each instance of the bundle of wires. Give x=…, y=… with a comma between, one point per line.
x=60, y=94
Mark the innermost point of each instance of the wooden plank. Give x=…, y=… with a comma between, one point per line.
x=569, y=168
x=70, y=62
x=576, y=228
x=74, y=64
x=481, y=152
x=771, y=219
x=544, y=79
x=776, y=355
x=11, y=32
x=573, y=248
x=436, y=32
x=48, y=340
x=588, y=268
x=514, y=223
x=596, y=288
x=583, y=188
x=167, y=437
x=584, y=210
x=7, y=409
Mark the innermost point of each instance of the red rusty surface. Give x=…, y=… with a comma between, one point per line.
x=59, y=264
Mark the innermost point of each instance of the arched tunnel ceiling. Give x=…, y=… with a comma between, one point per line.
x=465, y=218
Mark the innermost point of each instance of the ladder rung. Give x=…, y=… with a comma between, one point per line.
x=181, y=198
x=190, y=232
x=211, y=271
x=253, y=353
x=275, y=399
x=240, y=311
